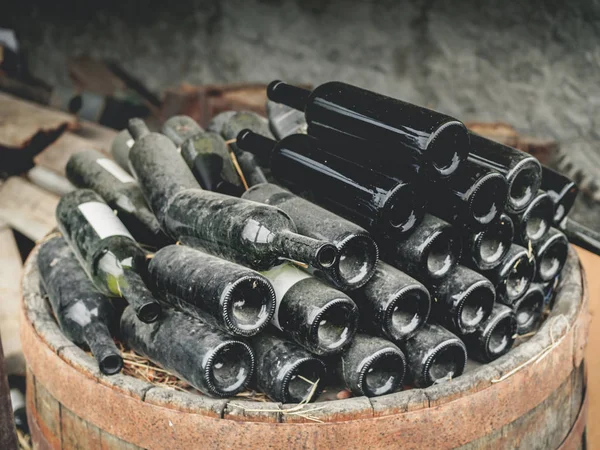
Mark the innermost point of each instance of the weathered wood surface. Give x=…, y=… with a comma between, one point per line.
x=8, y=436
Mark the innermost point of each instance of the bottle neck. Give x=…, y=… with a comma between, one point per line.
x=101, y=343
x=256, y=144
x=313, y=252
x=292, y=96
x=581, y=235
x=139, y=296
x=137, y=128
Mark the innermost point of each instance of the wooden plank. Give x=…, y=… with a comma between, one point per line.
x=77, y=433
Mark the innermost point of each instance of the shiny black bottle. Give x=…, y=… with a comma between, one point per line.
x=240, y=299
x=528, y=309
x=551, y=255
x=392, y=304
x=378, y=202
x=532, y=224
x=485, y=249
x=192, y=348
x=316, y=316
x=19, y=409
x=106, y=250
x=561, y=190
x=434, y=355
x=120, y=147
x=85, y=316
x=514, y=275
x=358, y=252
x=386, y=130
x=581, y=235
x=284, y=121
x=494, y=337
x=522, y=171
x=92, y=170
x=285, y=371
x=372, y=366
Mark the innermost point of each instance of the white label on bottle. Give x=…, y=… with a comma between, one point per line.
x=103, y=220
x=115, y=170
x=282, y=278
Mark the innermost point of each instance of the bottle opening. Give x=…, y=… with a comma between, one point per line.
x=442, y=254
x=357, y=260
x=230, y=368
x=488, y=199
x=494, y=243
x=251, y=304
x=523, y=185
x=337, y=326
x=529, y=311
x=385, y=372
x=538, y=218
x=409, y=311
x=519, y=277
x=327, y=256
x=477, y=307
x=501, y=337
x=447, y=363
x=149, y=312
x=448, y=148
x=302, y=380
x=553, y=259
x=111, y=364
x=402, y=209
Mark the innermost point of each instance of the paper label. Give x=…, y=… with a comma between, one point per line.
x=283, y=278
x=115, y=170
x=103, y=220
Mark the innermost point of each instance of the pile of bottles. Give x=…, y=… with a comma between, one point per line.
x=373, y=244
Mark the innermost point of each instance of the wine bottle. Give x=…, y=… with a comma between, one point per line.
x=193, y=349
x=550, y=255
x=85, y=316
x=246, y=232
x=206, y=154
x=523, y=172
x=561, y=190
x=120, y=147
x=528, y=309
x=434, y=355
x=392, y=304
x=242, y=300
x=285, y=121
x=316, y=316
x=549, y=289
x=385, y=130
x=372, y=366
x=381, y=203
x=475, y=196
x=462, y=300
x=494, y=337
x=581, y=235
x=286, y=372
x=106, y=250
x=358, y=252
x=513, y=276
x=485, y=249
x=430, y=252
x=92, y=170
x=17, y=401
x=533, y=223
x=217, y=123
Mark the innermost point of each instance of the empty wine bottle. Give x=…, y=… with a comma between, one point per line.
x=284, y=121
x=372, y=366
x=494, y=337
x=485, y=249
x=378, y=202
x=316, y=316
x=522, y=171
x=474, y=196
x=513, y=276
x=528, y=309
x=392, y=304
x=106, y=250
x=434, y=355
x=561, y=190
x=120, y=147
x=398, y=130
x=85, y=316
x=358, y=252
x=206, y=154
x=217, y=123
x=17, y=401
x=462, y=300
x=91, y=169
x=286, y=372
x=581, y=235
x=533, y=223
x=192, y=348
x=242, y=300
x=246, y=232
x=550, y=255
x=430, y=252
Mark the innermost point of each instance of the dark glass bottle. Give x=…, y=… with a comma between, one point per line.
x=430, y=252
x=316, y=316
x=485, y=249
x=92, y=170
x=358, y=252
x=581, y=235
x=532, y=224
x=284, y=121
x=286, y=372
x=522, y=171
x=494, y=337
x=192, y=348
x=392, y=304
x=462, y=300
x=386, y=130
x=528, y=309
x=206, y=154
x=561, y=190
x=120, y=147
x=17, y=401
x=550, y=255
x=378, y=202
x=241, y=300
x=246, y=232
x=372, y=366
x=434, y=355
x=85, y=316
x=513, y=276
x=106, y=250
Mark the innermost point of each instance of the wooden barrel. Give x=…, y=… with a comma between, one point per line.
x=532, y=398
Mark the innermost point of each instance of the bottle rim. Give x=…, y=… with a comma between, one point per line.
x=209, y=366
x=367, y=363
x=488, y=331
x=517, y=259
x=395, y=299
x=492, y=186
x=556, y=241
x=503, y=227
x=460, y=151
x=533, y=166
x=370, y=249
x=453, y=342
x=292, y=370
x=410, y=216
x=352, y=326
x=542, y=209
x=564, y=202
x=536, y=312
x=454, y=250
x=483, y=284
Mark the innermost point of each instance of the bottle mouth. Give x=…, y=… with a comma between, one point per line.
x=488, y=198
x=326, y=256
x=528, y=311
x=335, y=326
x=382, y=373
x=229, y=368
x=519, y=276
x=300, y=379
x=501, y=337
x=552, y=257
x=149, y=312
x=442, y=253
x=249, y=305
x=476, y=306
x=408, y=312
x=357, y=260
x=111, y=364
x=493, y=243
x=523, y=183
x=448, y=147
x=447, y=361
x=402, y=211
x=537, y=218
